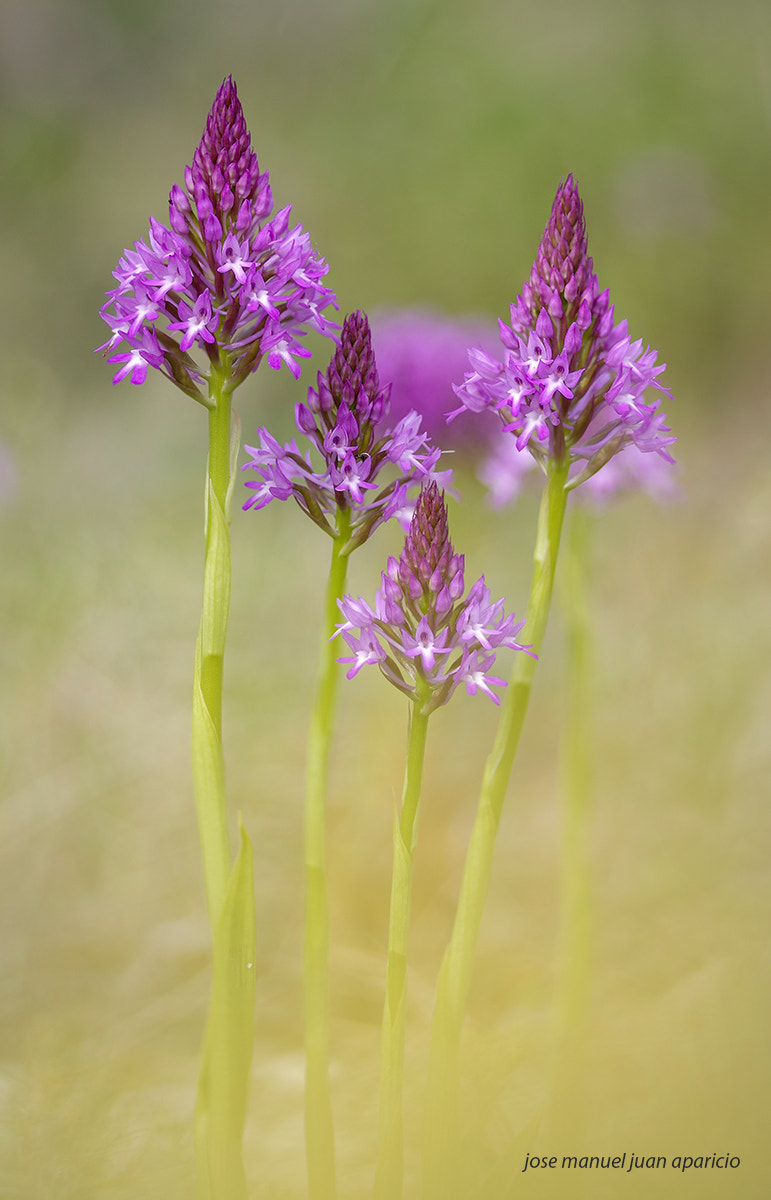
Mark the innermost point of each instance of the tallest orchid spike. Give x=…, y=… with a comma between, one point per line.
x=224, y=279
x=571, y=386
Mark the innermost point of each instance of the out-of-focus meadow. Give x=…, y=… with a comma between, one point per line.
x=420, y=143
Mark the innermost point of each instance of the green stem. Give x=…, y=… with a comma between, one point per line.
x=223, y=1084
x=573, y=978
x=390, y=1157
x=319, y=1127
x=224, y=1079
x=442, y=1116
x=208, y=760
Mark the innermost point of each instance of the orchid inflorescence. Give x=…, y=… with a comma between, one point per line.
x=225, y=277
x=571, y=382
x=203, y=301
x=422, y=633
x=345, y=420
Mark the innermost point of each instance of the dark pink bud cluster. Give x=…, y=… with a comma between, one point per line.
x=572, y=383
x=344, y=422
x=352, y=370
x=561, y=279
x=430, y=574
x=225, y=176
x=425, y=637
x=224, y=279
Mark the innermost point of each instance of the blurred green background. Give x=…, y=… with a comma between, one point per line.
x=421, y=144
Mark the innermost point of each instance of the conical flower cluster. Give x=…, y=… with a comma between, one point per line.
x=572, y=382
x=422, y=633
x=345, y=422
x=224, y=279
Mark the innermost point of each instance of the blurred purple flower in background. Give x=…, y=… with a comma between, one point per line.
x=422, y=354
x=224, y=278
x=507, y=471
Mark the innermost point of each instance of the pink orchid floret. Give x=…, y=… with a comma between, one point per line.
x=366, y=651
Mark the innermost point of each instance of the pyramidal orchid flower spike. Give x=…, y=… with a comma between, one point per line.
x=345, y=421
x=572, y=382
x=224, y=279
x=576, y=393
x=355, y=472
x=203, y=301
x=426, y=637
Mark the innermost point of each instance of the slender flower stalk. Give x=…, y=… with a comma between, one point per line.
x=358, y=473
x=390, y=1153
x=571, y=392
x=208, y=757
x=203, y=301
x=427, y=639
x=576, y=899
x=442, y=1120
x=319, y=1123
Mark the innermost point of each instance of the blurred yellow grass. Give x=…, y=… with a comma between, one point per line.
x=105, y=974
x=421, y=145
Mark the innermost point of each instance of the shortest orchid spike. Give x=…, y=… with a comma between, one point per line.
x=423, y=634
